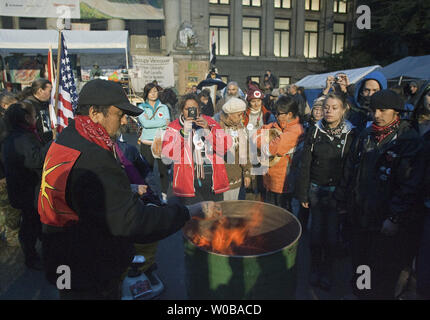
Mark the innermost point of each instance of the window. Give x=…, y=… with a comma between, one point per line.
x=311, y=39
x=312, y=5
x=219, y=1
x=220, y=26
x=282, y=38
x=224, y=79
x=251, y=36
x=255, y=79
x=284, y=81
x=285, y=4
x=338, y=37
x=339, y=6
x=252, y=3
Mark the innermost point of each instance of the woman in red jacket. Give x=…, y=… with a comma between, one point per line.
x=196, y=145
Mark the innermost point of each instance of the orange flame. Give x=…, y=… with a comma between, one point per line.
x=228, y=235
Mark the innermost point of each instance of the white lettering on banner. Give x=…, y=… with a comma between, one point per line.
x=149, y=68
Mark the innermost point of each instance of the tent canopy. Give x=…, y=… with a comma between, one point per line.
x=411, y=67
x=318, y=81
x=77, y=41
x=314, y=84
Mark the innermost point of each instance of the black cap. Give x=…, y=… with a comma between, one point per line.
x=107, y=93
x=386, y=99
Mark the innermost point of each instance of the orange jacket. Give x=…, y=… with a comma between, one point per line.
x=275, y=179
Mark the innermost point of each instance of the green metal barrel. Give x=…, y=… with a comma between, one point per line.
x=268, y=272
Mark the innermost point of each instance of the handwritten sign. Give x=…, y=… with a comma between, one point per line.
x=149, y=68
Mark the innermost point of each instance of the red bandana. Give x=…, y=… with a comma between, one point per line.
x=93, y=132
x=380, y=133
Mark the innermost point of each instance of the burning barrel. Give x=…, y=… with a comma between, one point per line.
x=248, y=253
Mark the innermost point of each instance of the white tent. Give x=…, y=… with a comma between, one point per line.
x=318, y=81
x=77, y=41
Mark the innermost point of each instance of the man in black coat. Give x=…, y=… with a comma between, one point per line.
x=90, y=216
x=41, y=94
x=382, y=177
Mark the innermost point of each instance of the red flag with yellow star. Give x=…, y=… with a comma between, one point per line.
x=52, y=205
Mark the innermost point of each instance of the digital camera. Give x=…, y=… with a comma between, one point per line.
x=192, y=113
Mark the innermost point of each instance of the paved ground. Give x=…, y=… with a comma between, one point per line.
x=18, y=282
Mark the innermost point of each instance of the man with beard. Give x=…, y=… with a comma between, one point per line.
x=232, y=90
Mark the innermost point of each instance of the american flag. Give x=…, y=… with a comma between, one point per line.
x=67, y=95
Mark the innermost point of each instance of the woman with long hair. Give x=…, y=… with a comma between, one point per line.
x=326, y=145
x=155, y=118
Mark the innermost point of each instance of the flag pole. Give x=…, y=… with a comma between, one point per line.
x=57, y=82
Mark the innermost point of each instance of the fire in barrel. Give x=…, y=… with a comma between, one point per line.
x=248, y=253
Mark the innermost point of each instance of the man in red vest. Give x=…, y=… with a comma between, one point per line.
x=90, y=216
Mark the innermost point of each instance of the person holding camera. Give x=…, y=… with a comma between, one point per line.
x=338, y=84
x=196, y=144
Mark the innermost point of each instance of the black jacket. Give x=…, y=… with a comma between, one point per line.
x=23, y=156
x=43, y=119
x=99, y=247
x=322, y=158
x=382, y=180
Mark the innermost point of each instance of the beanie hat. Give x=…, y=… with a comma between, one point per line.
x=386, y=99
x=234, y=105
x=254, y=93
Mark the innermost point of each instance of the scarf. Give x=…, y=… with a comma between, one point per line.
x=32, y=129
x=93, y=132
x=333, y=132
x=197, y=154
x=380, y=133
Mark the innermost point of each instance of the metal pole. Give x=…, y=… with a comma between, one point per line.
x=57, y=83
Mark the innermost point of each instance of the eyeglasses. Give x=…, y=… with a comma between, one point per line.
x=278, y=114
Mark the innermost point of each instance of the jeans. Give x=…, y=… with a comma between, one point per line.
x=282, y=200
x=324, y=228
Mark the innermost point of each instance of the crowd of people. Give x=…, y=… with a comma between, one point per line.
x=355, y=160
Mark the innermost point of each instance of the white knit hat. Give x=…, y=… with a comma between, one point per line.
x=234, y=105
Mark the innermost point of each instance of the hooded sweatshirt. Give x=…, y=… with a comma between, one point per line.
x=359, y=113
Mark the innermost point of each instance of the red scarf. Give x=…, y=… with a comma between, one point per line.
x=380, y=133
x=32, y=129
x=93, y=132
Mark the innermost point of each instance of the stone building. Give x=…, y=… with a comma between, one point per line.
x=252, y=36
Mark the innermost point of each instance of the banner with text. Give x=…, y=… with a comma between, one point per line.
x=66, y=9
x=149, y=68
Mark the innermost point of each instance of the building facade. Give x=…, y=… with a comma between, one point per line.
x=252, y=36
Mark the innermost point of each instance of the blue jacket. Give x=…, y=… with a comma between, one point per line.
x=153, y=119
x=374, y=75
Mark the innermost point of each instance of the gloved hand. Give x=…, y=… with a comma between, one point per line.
x=389, y=228
x=205, y=210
